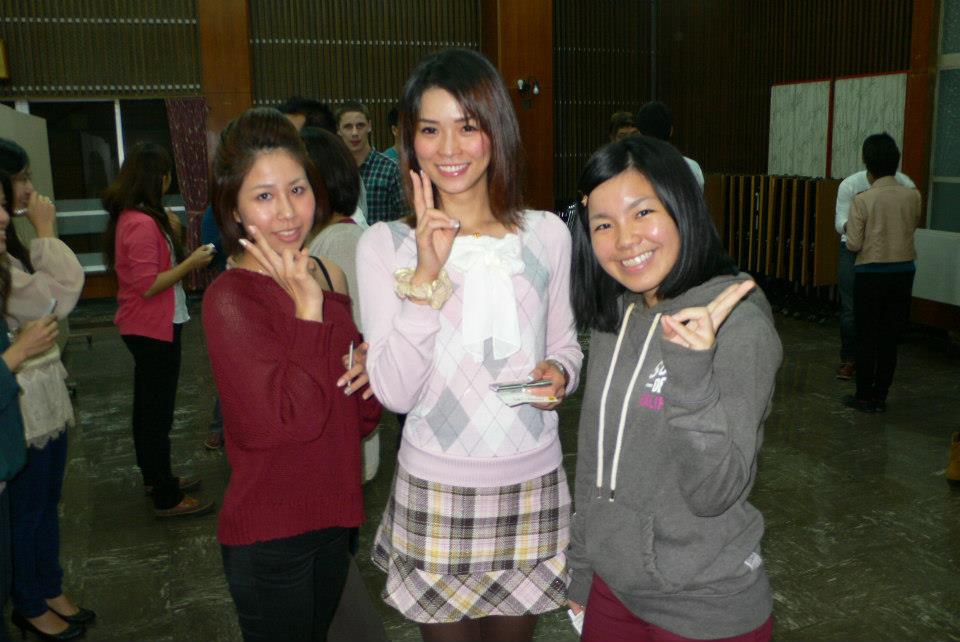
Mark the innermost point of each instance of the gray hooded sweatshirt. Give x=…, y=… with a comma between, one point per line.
x=662, y=515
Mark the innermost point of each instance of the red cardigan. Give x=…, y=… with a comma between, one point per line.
x=141, y=253
x=292, y=437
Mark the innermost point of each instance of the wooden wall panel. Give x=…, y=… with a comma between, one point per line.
x=601, y=56
x=93, y=48
x=717, y=61
x=522, y=52
x=225, y=51
x=341, y=50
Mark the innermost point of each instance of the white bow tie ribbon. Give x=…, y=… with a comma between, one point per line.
x=489, y=302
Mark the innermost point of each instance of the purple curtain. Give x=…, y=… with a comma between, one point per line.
x=187, y=119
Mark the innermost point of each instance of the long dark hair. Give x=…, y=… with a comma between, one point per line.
x=337, y=169
x=256, y=131
x=139, y=186
x=13, y=160
x=6, y=186
x=15, y=247
x=477, y=86
x=594, y=293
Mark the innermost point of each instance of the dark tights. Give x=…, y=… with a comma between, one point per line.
x=493, y=628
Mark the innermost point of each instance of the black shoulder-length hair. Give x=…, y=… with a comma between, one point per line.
x=477, y=86
x=594, y=293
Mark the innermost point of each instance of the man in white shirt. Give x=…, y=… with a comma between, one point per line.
x=654, y=119
x=849, y=188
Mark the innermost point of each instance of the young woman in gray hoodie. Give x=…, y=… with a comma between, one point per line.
x=683, y=355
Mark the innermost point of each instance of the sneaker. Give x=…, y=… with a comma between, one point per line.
x=879, y=405
x=214, y=441
x=187, y=506
x=863, y=405
x=846, y=370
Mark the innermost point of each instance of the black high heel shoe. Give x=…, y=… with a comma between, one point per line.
x=83, y=616
x=72, y=631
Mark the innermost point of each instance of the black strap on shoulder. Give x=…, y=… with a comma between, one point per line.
x=323, y=269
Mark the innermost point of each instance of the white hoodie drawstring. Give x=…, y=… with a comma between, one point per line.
x=626, y=403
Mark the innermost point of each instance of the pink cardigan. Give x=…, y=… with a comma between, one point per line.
x=142, y=252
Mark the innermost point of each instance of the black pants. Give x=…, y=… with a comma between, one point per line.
x=155, y=375
x=288, y=589
x=881, y=309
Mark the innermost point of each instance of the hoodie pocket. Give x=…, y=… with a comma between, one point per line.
x=708, y=555
x=620, y=546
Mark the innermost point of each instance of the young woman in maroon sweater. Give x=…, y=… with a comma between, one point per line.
x=294, y=414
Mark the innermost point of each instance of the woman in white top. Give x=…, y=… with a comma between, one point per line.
x=46, y=278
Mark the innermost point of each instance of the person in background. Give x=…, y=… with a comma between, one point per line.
x=471, y=291
x=307, y=112
x=621, y=125
x=665, y=545
x=393, y=152
x=381, y=176
x=148, y=257
x=848, y=189
x=337, y=239
x=339, y=235
x=210, y=235
x=45, y=278
x=880, y=230
x=281, y=341
x=34, y=338
x=655, y=119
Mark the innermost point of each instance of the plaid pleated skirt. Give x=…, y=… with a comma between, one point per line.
x=452, y=552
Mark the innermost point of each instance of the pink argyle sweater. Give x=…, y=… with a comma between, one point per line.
x=457, y=431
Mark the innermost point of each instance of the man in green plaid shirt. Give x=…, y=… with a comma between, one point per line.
x=381, y=176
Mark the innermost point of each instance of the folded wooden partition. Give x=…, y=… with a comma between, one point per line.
x=780, y=227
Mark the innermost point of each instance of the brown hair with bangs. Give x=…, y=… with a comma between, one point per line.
x=256, y=131
x=478, y=88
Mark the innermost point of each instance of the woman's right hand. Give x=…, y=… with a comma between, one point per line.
x=41, y=213
x=294, y=272
x=200, y=257
x=575, y=607
x=35, y=337
x=435, y=231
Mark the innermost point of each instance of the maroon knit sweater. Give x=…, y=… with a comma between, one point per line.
x=292, y=436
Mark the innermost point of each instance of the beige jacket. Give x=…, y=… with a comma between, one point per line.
x=882, y=221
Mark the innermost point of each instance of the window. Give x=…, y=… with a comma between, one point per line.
x=83, y=146
x=944, y=194
x=88, y=140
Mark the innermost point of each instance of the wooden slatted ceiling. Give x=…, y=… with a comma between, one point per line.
x=340, y=50
x=94, y=48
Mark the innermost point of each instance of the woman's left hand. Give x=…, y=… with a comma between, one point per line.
x=557, y=389
x=356, y=378
x=696, y=328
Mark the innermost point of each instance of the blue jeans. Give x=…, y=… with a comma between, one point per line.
x=35, y=527
x=5, y=561
x=848, y=327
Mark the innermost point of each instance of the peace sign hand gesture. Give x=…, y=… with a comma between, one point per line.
x=696, y=328
x=293, y=271
x=435, y=231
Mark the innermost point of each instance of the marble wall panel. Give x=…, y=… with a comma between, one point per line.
x=864, y=106
x=799, y=116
